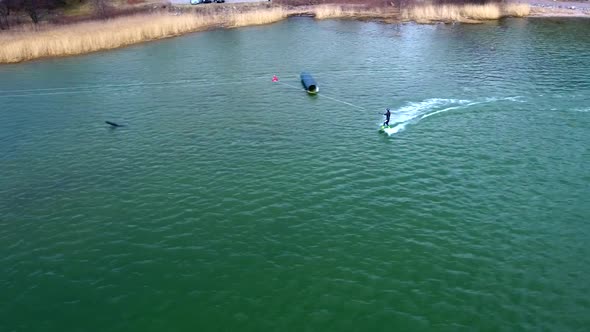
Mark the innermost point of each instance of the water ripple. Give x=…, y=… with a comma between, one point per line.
x=232, y=203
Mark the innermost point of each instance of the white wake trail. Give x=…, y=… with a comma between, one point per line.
x=415, y=112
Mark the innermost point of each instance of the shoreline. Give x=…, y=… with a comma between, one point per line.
x=49, y=41
x=559, y=9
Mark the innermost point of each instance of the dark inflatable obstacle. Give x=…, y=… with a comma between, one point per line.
x=309, y=83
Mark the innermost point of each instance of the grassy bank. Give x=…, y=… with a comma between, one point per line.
x=425, y=13
x=464, y=13
x=383, y=13
x=26, y=43
x=50, y=40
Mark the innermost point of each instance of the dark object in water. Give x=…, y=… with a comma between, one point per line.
x=309, y=83
x=114, y=124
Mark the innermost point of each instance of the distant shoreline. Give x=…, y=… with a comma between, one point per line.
x=550, y=8
x=35, y=42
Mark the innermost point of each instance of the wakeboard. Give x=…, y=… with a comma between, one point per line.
x=383, y=127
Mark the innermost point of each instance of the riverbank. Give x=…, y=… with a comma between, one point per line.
x=550, y=8
x=28, y=42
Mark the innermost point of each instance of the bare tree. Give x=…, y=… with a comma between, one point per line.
x=101, y=8
x=32, y=9
x=36, y=9
x=4, y=11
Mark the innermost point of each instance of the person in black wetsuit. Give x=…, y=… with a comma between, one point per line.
x=387, y=115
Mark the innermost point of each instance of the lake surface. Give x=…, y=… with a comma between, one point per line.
x=232, y=203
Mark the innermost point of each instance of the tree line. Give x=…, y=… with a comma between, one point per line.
x=36, y=9
x=33, y=8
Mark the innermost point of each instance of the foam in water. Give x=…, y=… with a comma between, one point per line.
x=416, y=111
x=583, y=110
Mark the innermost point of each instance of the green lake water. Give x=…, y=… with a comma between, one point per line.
x=232, y=203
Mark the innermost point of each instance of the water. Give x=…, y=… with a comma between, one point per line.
x=232, y=203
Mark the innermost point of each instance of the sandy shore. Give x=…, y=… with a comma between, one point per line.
x=551, y=8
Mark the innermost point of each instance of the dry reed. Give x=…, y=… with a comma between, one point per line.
x=26, y=44
x=516, y=9
x=481, y=12
x=491, y=11
x=46, y=40
x=328, y=11
x=353, y=11
x=257, y=17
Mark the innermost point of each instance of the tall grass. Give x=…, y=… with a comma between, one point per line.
x=488, y=11
x=356, y=11
x=45, y=41
x=257, y=17
x=462, y=13
x=427, y=13
x=328, y=11
x=424, y=13
x=517, y=9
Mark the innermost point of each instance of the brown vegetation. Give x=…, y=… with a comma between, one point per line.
x=427, y=13
x=463, y=13
x=516, y=9
x=32, y=41
x=424, y=13
x=367, y=3
x=26, y=44
x=353, y=11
